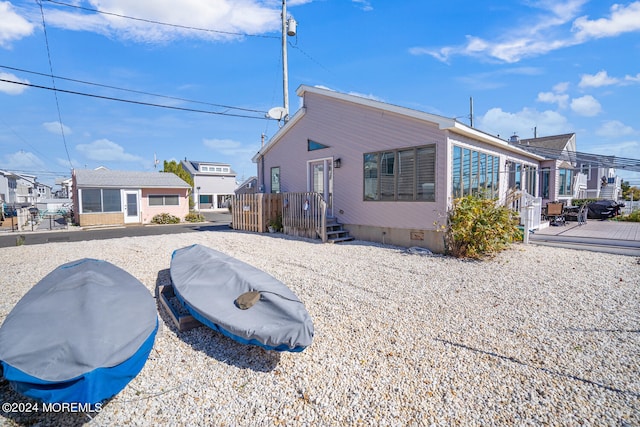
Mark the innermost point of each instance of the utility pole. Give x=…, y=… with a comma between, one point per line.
x=285, y=71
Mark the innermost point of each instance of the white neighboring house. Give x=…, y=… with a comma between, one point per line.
x=8, y=187
x=42, y=192
x=213, y=183
x=66, y=188
x=20, y=189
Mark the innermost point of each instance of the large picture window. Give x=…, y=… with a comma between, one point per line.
x=400, y=175
x=566, y=176
x=165, y=200
x=101, y=200
x=474, y=172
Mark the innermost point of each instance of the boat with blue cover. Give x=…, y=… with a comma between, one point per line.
x=80, y=335
x=240, y=300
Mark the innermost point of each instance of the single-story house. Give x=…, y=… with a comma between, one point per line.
x=572, y=174
x=388, y=173
x=249, y=186
x=213, y=183
x=109, y=197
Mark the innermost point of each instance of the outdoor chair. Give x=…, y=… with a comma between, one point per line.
x=555, y=213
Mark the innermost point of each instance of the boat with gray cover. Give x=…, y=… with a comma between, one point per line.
x=80, y=335
x=239, y=300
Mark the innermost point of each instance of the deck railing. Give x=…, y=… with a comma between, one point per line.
x=305, y=215
x=301, y=214
x=524, y=203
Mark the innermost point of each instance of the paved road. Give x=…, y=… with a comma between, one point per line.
x=215, y=221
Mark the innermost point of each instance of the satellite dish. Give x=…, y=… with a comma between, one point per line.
x=277, y=113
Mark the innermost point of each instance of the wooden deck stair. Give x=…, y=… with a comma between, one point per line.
x=335, y=232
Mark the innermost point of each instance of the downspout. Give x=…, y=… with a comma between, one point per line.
x=261, y=188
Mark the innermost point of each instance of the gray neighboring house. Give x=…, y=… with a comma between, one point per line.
x=213, y=183
x=249, y=186
x=109, y=197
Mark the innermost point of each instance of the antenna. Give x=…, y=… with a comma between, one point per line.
x=155, y=161
x=471, y=111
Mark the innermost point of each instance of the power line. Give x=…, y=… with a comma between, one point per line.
x=53, y=82
x=149, y=21
x=134, y=91
x=616, y=162
x=149, y=104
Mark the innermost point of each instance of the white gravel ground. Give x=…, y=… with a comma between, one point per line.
x=537, y=335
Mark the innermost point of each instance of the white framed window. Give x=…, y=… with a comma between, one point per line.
x=218, y=169
x=407, y=174
x=164, y=200
x=101, y=200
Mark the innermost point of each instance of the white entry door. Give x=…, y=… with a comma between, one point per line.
x=131, y=207
x=321, y=181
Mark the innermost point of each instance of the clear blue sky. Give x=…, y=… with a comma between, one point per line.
x=557, y=65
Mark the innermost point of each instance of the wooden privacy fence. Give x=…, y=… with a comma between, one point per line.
x=301, y=214
x=254, y=212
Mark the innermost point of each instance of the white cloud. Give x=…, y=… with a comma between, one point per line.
x=54, y=127
x=12, y=26
x=228, y=147
x=544, y=32
x=614, y=129
x=226, y=19
x=557, y=96
x=586, y=106
x=599, y=79
x=623, y=19
x=632, y=79
x=562, y=99
x=503, y=123
x=23, y=160
x=364, y=5
x=11, y=88
x=561, y=87
x=103, y=150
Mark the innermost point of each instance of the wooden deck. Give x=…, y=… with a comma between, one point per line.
x=595, y=229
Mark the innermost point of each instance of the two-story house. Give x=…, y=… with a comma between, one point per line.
x=213, y=183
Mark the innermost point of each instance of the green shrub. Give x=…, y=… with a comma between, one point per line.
x=477, y=227
x=276, y=223
x=194, y=216
x=165, y=218
x=632, y=217
x=580, y=202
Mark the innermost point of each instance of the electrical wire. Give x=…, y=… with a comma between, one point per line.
x=53, y=82
x=149, y=104
x=135, y=91
x=149, y=21
x=623, y=163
